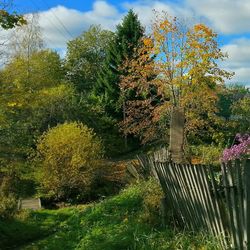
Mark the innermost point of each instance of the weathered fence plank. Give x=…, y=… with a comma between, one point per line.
x=247, y=205
x=216, y=199
x=29, y=203
x=201, y=203
x=239, y=194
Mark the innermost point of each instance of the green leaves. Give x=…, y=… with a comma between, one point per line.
x=127, y=37
x=241, y=113
x=85, y=57
x=33, y=98
x=9, y=21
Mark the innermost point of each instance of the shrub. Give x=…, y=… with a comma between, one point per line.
x=152, y=197
x=68, y=155
x=205, y=154
x=8, y=201
x=241, y=110
x=8, y=205
x=110, y=178
x=238, y=150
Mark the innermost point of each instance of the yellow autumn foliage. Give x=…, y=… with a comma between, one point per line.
x=179, y=69
x=148, y=42
x=68, y=154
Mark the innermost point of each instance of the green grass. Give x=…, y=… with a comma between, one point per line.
x=29, y=226
x=121, y=222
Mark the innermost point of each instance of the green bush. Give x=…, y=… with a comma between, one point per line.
x=205, y=154
x=8, y=199
x=68, y=155
x=152, y=197
x=8, y=205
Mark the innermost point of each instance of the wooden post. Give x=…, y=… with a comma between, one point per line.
x=177, y=135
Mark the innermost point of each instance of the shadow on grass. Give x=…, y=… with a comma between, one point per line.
x=29, y=226
x=118, y=223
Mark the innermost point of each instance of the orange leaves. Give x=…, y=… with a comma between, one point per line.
x=161, y=110
x=165, y=24
x=202, y=27
x=177, y=65
x=148, y=42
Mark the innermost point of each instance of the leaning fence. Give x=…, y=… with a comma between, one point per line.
x=207, y=198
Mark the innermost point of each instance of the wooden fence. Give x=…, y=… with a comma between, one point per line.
x=206, y=198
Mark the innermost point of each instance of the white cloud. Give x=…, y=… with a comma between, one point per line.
x=227, y=16
x=102, y=13
x=101, y=8
x=144, y=9
x=61, y=24
x=238, y=59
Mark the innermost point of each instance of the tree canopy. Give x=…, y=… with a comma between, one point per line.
x=187, y=75
x=85, y=57
x=127, y=37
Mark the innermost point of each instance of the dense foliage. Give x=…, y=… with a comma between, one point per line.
x=86, y=56
x=68, y=154
x=126, y=39
x=187, y=76
x=10, y=20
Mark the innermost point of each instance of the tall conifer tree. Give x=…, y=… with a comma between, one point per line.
x=127, y=37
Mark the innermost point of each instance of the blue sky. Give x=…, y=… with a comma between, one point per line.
x=62, y=20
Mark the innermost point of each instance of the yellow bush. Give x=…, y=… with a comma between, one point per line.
x=68, y=154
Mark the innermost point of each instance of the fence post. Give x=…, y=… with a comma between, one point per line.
x=177, y=135
x=247, y=205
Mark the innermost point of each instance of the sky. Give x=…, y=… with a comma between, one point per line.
x=63, y=20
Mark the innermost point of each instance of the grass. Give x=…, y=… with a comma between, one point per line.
x=126, y=221
x=29, y=226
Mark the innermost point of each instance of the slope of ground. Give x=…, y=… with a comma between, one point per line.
x=126, y=221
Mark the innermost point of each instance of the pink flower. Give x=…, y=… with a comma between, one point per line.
x=237, y=151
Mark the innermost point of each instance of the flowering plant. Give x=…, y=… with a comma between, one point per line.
x=239, y=149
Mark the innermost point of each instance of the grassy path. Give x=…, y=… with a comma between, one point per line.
x=119, y=223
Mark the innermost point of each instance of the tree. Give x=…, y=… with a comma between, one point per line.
x=85, y=57
x=68, y=154
x=187, y=76
x=232, y=121
x=31, y=101
x=10, y=20
x=26, y=39
x=41, y=69
x=241, y=114
x=127, y=37
x=228, y=95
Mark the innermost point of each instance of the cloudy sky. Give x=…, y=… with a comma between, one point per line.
x=62, y=20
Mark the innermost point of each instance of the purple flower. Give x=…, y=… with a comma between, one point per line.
x=239, y=150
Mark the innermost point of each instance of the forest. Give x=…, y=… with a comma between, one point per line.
x=70, y=127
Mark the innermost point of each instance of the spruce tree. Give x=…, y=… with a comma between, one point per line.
x=127, y=37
